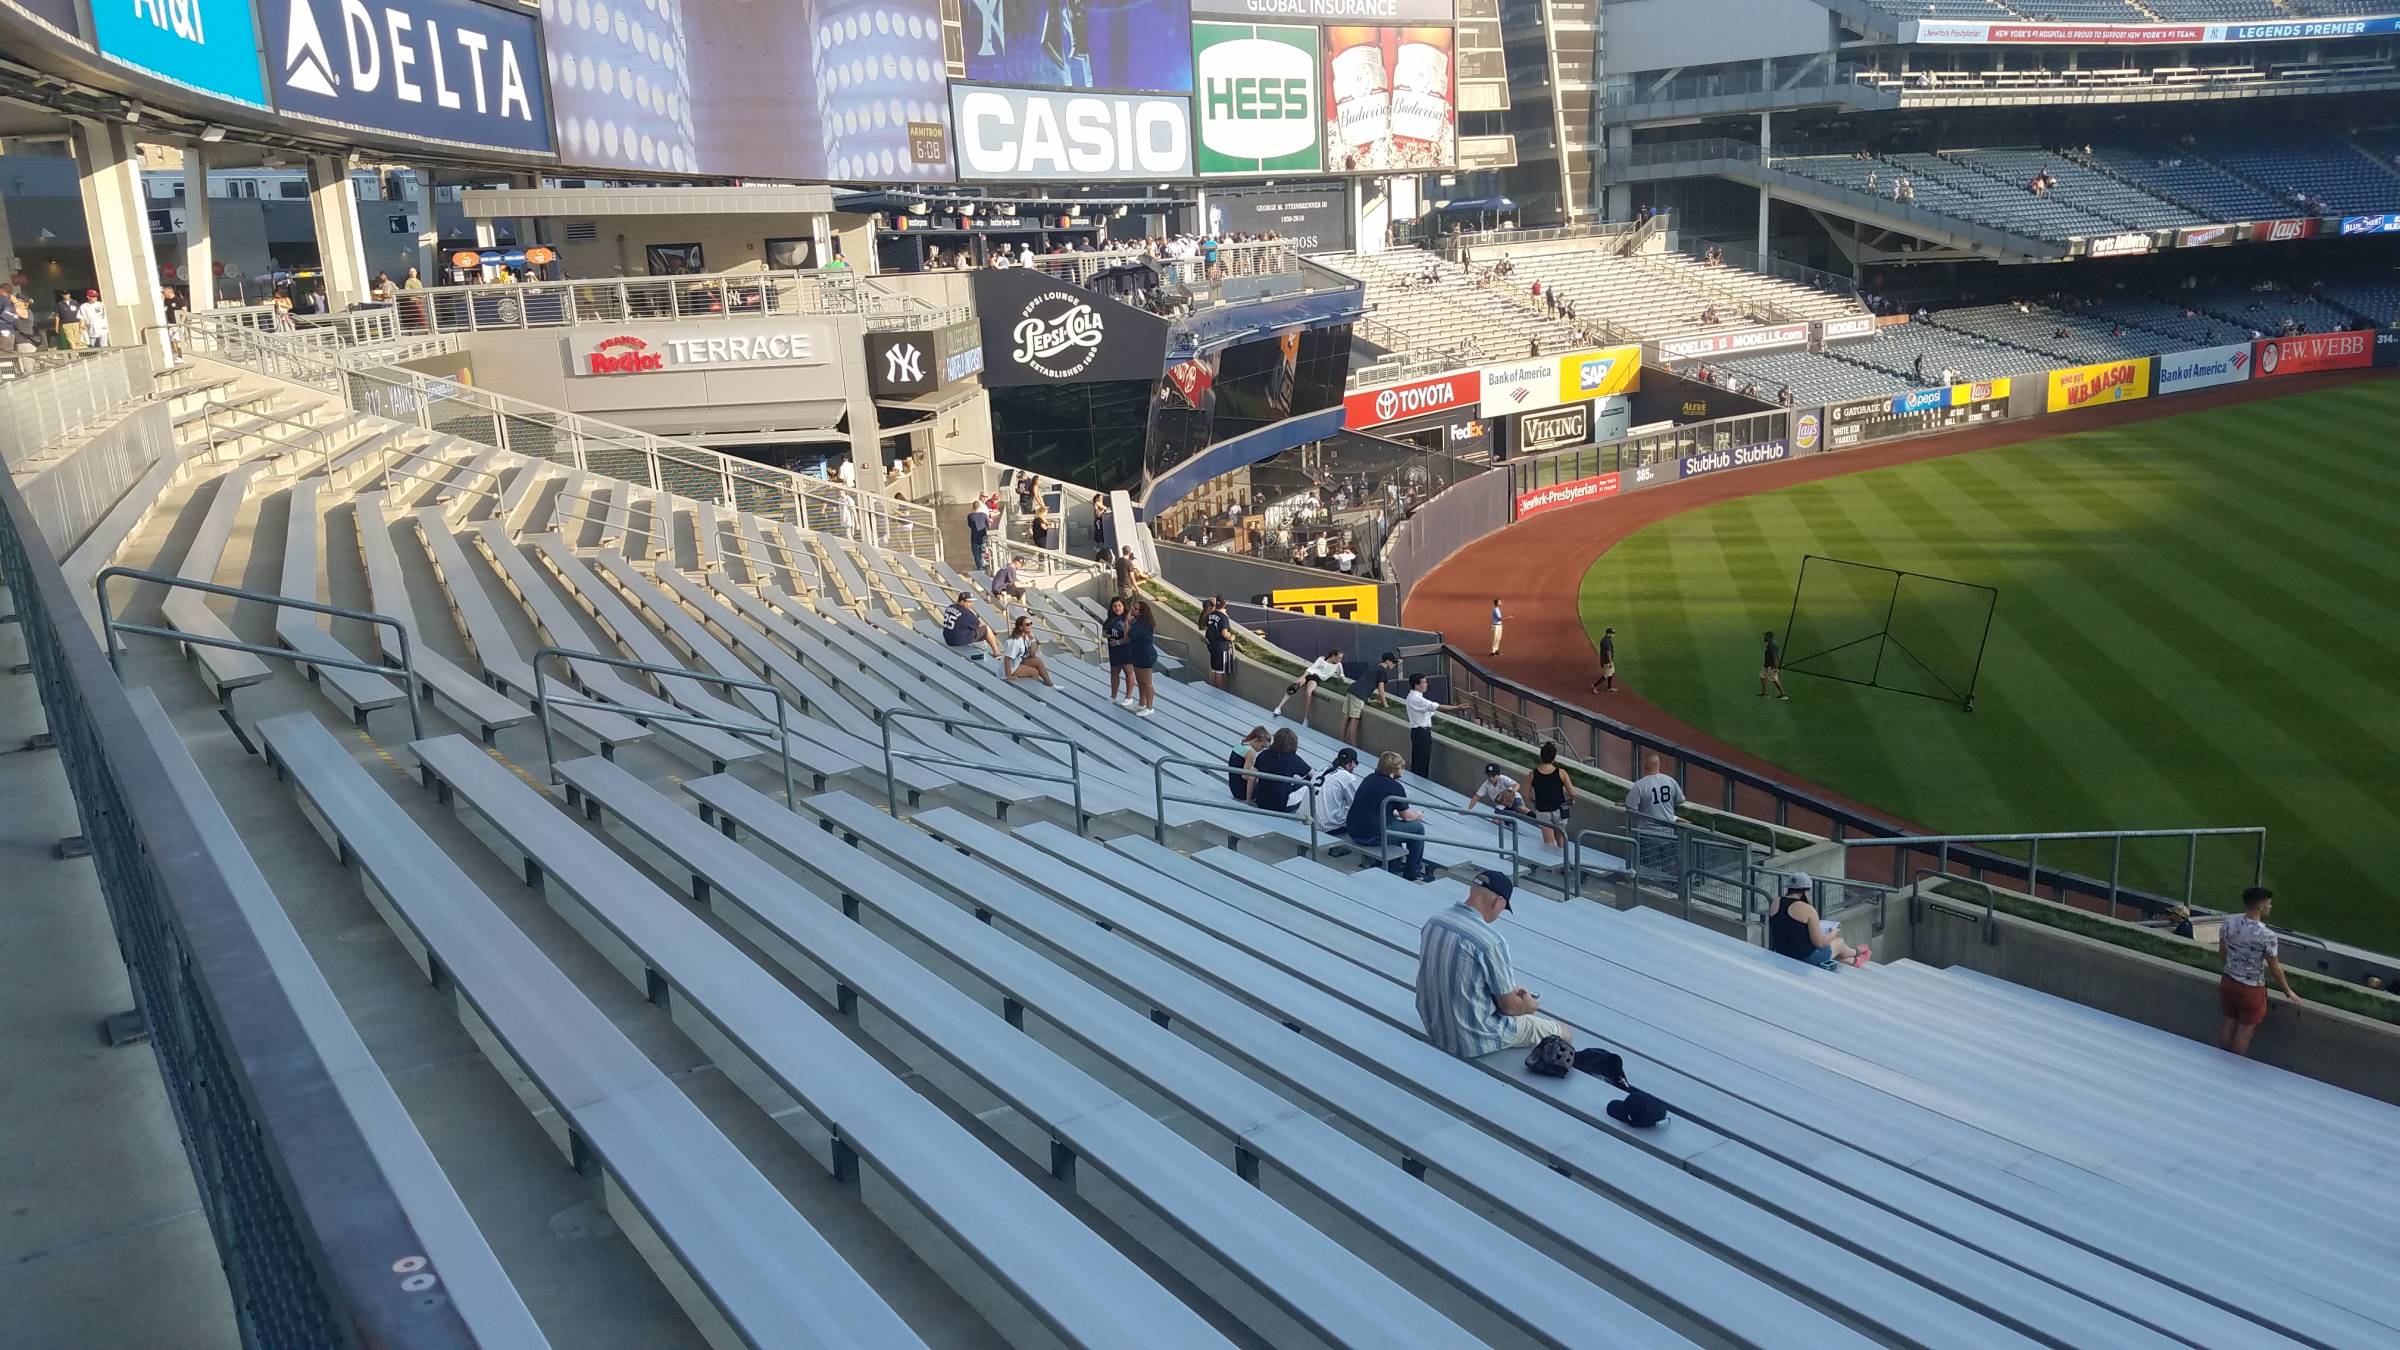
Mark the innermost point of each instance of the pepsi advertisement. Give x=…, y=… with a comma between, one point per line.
x=1137, y=46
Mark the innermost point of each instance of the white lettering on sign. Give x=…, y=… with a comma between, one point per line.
x=1057, y=325
x=1017, y=133
x=1391, y=404
x=309, y=68
x=180, y=17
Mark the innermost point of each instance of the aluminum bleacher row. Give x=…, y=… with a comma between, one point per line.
x=1450, y=312
x=984, y=1056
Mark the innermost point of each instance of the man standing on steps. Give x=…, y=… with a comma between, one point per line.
x=1650, y=804
x=1770, y=668
x=1607, y=683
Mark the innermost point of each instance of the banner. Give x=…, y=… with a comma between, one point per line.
x=2203, y=368
x=1041, y=331
x=1554, y=430
x=1956, y=32
x=57, y=14
x=2108, y=382
x=1740, y=457
x=901, y=365
x=1611, y=370
x=205, y=45
x=1412, y=398
x=1573, y=493
x=1050, y=135
x=1521, y=386
x=1332, y=11
x=626, y=349
x=1358, y=604
x=1734, y=341
x=2206, y=236
x=2314, y=351
x=751, y=90
x=2117, y=245
x=1808, y=430
x=1314, y=217
x=1256, y=87
x=1390, y=100
x=2387, y=223
x=2282, y=231
x=1917, y=413
x=449, y=71
x=1850, y=329
x=1139, y=46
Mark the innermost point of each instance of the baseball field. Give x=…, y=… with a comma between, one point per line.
x=2198, y=623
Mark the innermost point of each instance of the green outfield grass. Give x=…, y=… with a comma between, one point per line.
x=2198, y=624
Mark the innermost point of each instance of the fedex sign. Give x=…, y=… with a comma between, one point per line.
x=1414, y=398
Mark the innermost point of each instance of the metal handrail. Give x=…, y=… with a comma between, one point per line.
x=110, y=627
x=747, y=732
x=1577, y=871
x=2116, y=853
x=585, y=517
x=392, y=470
x=889, y=717
x=208, y=423
x=1509, y=832
x=1158, y=787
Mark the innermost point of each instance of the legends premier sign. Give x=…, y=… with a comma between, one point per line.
x=1412, y=398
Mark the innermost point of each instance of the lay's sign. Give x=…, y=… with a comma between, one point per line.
x=2108, y=382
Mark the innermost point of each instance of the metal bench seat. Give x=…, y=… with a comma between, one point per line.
x=223, y=668
x=297, y=629
x=478, y=704
x=736, y=1253
x=1072, y=1280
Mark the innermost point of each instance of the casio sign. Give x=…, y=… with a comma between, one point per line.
x=1025, y=133
x=1257, y=99
x=1058, y=335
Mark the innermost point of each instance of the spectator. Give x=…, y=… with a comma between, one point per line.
x=1795, y=930
x=1496, y=622
x=979, y=528
x=1100, y=520
x=1020, y=656
x=1379, y=811
x=1006, y=583
x=1129, y=573
x=16, y=321
x=1326, y=667
x=1421, y=708
x=1039, y=527
x=1467, y=995
x=383, y=291
x=1553, y=796
x=1607, y=682
x=1345, y=558
x=962, y=627
x=1240, y=760
x=94, y=318
x=1335, y=789
x=1141, y=647
x=2247, y=949
x=2182, y=927
x=1216, y=630
x=68, y=315
x=1282, y=758
x=1354, y=704
x=1498, y=791
x=1651, y=803
x=1113, y=635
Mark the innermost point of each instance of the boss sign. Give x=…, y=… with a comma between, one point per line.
x=1053, y=134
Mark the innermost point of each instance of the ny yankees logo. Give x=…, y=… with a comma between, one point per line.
x=904, y=365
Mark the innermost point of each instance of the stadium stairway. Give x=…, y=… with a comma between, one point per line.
x=961, y=1065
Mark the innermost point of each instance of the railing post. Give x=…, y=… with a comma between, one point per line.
x=2033, y=868
x=2116, y=858
x=541, y=707
x=2191, y=865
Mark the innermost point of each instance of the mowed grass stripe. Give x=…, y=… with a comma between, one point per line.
x=2197, y=625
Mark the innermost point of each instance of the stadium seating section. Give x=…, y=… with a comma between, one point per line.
x=1171, y=1089
x=1419, y=303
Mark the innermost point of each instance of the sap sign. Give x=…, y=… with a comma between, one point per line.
x=2204, y=368
x=1258, y=98
x=448, y=71
x=206, y=45
x=1741, y=457
x=1054, y=134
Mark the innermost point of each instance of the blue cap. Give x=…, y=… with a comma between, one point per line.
x=1497, y=883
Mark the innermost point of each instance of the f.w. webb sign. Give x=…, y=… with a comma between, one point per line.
x=1038, y=330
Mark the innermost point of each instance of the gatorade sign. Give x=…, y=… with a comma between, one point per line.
x=1257, y=96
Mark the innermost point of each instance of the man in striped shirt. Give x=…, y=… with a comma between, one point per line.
x=1467, y=995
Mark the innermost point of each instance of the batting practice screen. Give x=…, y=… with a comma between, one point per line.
x=1888, y=629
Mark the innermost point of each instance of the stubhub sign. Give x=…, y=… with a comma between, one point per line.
x=451, y=71
x=1054, y=134
x=1740, y=457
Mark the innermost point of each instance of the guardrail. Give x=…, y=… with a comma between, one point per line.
x=1269, y=257
x=1509, y=827
x=1158, y=786
x=2030, y=868
x=676, y=467
x=542, y=703
x=44, y=407
x=890, y=717
x=307, y=1223
x=557, y=304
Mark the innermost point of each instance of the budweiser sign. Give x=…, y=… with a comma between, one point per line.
x=1414, y=398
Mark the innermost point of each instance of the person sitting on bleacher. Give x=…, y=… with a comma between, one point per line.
x=1241, y=759
x=1021, y=657
x=1336, y=788
x=1282, y=758
x=1795, y=930
x=1006, y=583
x=962, y=627
x=1467, y=993
x=1383, y=797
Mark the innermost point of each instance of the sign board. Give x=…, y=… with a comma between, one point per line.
x=1572, y=493
x=1520, y=386
x=1847, y=329
x=2117, y=245
x=1611, y=370
x=2387, y=347
x=1139, y=47
x=959, y=347
x=1390, y=100
x=1954, y=32
x=1330, y=11
x=1733, y=342
x=1867, y=420
x=1041, y=331
x=55, y=14
x=2203, y=368
x=204, y=45
x=1255, y=89
x=2108, y=382
x=452, y=72
x=1554, y=430
x=2312, y=352
x=2386, y=223
x=1413, y=398
x=901, y=365
x=619, y=351
x=1355, y=603
x=1739, y=457
x=1055, y=135
x=2283, y=231
x=1316, y=217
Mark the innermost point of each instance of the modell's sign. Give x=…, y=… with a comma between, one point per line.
x=1739, y=340
x=1416, y=398
x=650, y=349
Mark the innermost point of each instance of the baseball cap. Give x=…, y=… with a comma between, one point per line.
x=1345, y=755
x=91, y=295
x=1497, y=883
x=1490, y=769
x=1799, y=881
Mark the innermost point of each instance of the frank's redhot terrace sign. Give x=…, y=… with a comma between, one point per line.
x=1412, y=398
x=648, y=349
x=1727, y=344
x=2107, y=382
x=2204, y=368
x=1739, y=457
x=2314, y=351
x=1574, y=493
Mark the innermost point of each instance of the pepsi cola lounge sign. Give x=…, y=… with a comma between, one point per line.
x=1413, y=398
